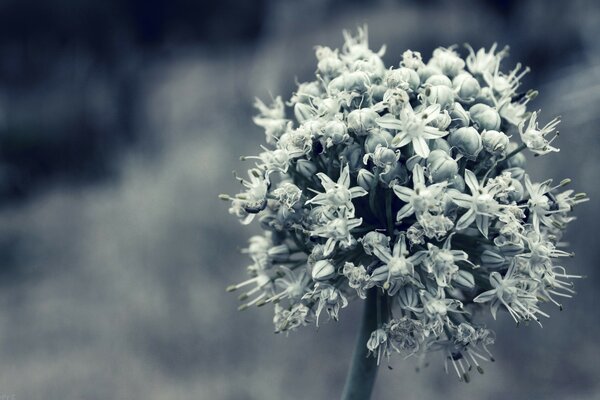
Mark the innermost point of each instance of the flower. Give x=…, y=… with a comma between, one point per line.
x=405, y=187
x=338, y=195
x=413, y=127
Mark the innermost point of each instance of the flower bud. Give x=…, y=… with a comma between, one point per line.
x=442, y=121
x=427, y=71
x=396, y=100
x=486, y=117
x=323, y=270
x=335, y=131
x=356, y=81
x=441, y=166
x=492, y=259
x=353, y=155
x=377, y=137
x=403, y=78
x=330, y=67
x=467, y=141
x=303, y=112
x=306, y=91
x=440, y=94
x=466, y=86
x=494, y=142
x=460, y=117
x=457, y=183
x=361, y=121
x=464, y=279
x=518, y=192
x=448, y=61
x=306, y=168
x=399, y=173
x=408, y=297
x=382, y=156
x=377, y=92
x=365, y=179
x=373, y=239
x=440, y=144
x=439, y=79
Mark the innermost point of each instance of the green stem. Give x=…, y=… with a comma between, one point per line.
x=363, y=370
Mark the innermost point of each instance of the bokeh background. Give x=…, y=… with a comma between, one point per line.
x=121, y=121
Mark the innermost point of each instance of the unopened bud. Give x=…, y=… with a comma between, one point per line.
x=361, y=121
x=495, y=142
x=365, y=179
x=323, y=270
x=466, y=86
x=486, y=117
x=467, y=140
x=306, y=168
x=441, y=166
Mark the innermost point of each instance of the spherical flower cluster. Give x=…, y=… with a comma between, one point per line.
x=408, y=182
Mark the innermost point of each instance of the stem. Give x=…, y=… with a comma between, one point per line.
x=363, y=370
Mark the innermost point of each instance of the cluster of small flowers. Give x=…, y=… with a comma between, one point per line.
x=404, y=182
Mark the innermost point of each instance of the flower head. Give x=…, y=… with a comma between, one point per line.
x=406, y=183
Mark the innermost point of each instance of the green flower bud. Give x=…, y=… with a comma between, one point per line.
x=428, y=70
x=486, y=117
x=352, y=155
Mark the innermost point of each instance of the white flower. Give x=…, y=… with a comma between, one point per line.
x=413, y=127
x=338, y=195
x=399, y=266
x=535, y=138
x=480, y=205
x=421, y=198
x=512, y=293
x=441, y=262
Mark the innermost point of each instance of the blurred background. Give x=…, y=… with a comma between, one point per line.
x=121, y=121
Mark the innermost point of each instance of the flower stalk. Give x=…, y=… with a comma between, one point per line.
x=363, y=369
